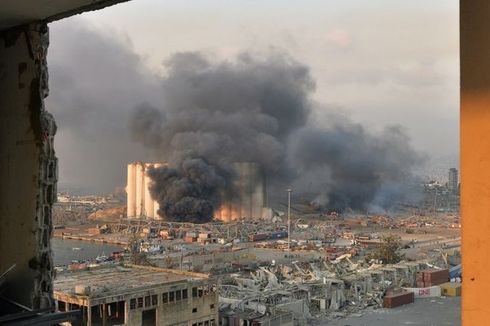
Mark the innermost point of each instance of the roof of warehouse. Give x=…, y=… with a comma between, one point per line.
x=116, y=279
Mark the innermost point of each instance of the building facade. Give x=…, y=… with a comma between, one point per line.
x=453, y=181
x=138, y=295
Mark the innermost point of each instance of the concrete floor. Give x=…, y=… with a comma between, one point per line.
x=424, y=312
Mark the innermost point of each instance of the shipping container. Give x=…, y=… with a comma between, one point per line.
x=451, y=289
x=397, y=298
x=436, y=276
x=420, y=284
x=419, y=277
x=258, y=237
x=279, y=235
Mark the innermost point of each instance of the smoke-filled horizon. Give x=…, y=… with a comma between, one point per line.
x=259, y=109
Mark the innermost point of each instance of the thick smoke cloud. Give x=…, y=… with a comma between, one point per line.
x=364, y=171
x=259, y=110
x=227, y=112
x=218, y=114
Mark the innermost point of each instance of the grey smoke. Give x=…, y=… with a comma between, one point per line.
x=96, y=80
x=366, y=171
x=259, y=109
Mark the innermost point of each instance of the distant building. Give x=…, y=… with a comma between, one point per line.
x=138, y=295
x=453, y=181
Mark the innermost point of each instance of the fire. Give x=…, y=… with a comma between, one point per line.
x=226, y=213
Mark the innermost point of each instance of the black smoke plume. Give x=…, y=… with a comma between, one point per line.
x=218, y=114
x=259, y=110
x=188, y=193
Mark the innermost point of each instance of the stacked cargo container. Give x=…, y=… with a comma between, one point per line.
x=431, y=277
x=264, y=236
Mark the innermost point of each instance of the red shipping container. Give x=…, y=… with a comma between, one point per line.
x=437, y=282
x=421, y=284
x=429, y=284
x=436, y=275
x=396, y=299
x=258, y=237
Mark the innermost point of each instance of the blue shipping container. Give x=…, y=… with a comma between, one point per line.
x=279, y=234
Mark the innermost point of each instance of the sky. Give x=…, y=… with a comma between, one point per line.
x=379, y=62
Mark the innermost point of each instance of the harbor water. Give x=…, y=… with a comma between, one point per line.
x=65, y=251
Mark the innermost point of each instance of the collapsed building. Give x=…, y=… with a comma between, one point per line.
x=313, y=289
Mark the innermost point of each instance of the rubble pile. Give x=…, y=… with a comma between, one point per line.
x=321, y=289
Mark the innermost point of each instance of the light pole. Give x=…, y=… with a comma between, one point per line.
x=289, y=220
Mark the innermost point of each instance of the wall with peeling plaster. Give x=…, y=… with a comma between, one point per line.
x=28, y=166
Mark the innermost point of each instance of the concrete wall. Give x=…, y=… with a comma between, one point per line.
x=28, y=167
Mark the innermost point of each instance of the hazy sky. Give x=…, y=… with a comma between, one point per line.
x=380, y=62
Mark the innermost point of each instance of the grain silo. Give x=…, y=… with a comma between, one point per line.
x=131, y=190
x=148, y=201
x=139, y=201
x=249, y=196
x=140, y=189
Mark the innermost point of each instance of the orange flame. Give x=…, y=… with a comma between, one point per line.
x=226, y=213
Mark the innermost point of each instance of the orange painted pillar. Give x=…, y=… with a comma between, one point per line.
x=475, y=159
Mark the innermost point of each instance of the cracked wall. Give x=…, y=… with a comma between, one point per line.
x=28, y=166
